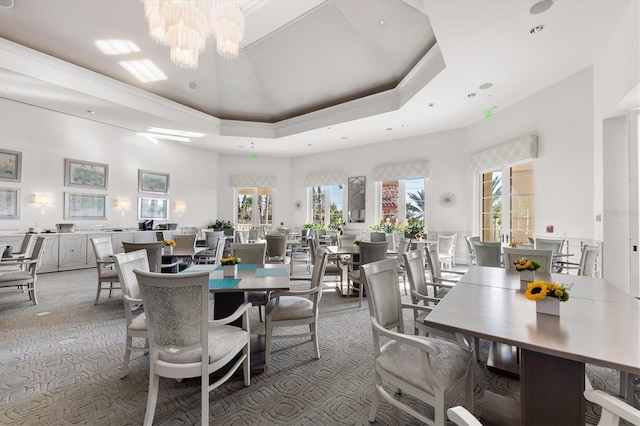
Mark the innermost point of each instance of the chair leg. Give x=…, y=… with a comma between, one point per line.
x=127, y=356
x=360, y=295
x=98, y=293
x=152, y=397
x=313, y=328
x=204, y=400
x=268, y=330
x=260, y=312
x=246, y=366
x=476, y=349
x=110, y=289
x=376, y=398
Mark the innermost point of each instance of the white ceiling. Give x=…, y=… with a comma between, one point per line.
x=364, y=81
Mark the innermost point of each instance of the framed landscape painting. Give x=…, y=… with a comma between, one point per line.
x=85, y=206
x=10, y=165
x=153, y=208
x=9, y=203
x=85, y=174
x=153, y=182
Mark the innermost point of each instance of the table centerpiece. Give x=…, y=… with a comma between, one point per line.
x=230, y=266
x=527, y=269
x=547, y=296
x=170, y=244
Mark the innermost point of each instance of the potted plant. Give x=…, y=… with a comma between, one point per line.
x=222, y=225
x=230, y=266
x=547, y=296
x=414, y=226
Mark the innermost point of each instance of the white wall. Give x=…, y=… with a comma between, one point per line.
x=46, y=138
x=448, y=173
x=561, y=116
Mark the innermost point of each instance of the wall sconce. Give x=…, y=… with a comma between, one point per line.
x=179, y=207
x=42, y=200
x=122, y=204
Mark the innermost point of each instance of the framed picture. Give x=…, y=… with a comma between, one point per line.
x=85, y=174
x=153, y=208
x=10, y=165
x=153, y=182
x=85, y=206
x=9, y=203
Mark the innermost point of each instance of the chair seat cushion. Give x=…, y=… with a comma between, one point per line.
x=291, y=307
x=223, y=339
x=10, y=268
x=442, y=292
x=6, y=277
x=109, y=273
x=332, y=269
x=406, y=363
x=354, y=275
x=139, y=323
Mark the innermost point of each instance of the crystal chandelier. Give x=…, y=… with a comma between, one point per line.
x=186, y=25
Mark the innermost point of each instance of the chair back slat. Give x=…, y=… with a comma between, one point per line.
x=154, y=253
x=381, y=281
x=251, y=253
x=126, y=263
x=487, y=253
x=543, y=257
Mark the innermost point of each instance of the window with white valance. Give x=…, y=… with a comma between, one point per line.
x=325, y=178
x=398, y=171
x=251, y=181
x=520, y=149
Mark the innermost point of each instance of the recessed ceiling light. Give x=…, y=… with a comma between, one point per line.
x=308, y=144
x=193, y=85
x=540, y=7
x=144, y=70
x=382, y=22
x=471, y=95
x=240, y=146
x=389, y=128
x=431, y=104
x=113, y=47
x=486, y=86
x=536, y=29
x=344, y=137
x=91, y=112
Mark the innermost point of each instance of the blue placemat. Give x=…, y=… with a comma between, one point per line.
x=218, y=283
x=272, y=272
x=191, y=271
x=241, y=266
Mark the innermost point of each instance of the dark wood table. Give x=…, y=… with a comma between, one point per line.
x=598, y=325
x=230, y=293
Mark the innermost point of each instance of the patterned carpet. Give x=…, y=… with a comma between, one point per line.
x=61, y=364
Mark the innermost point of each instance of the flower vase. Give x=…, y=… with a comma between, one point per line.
x=230, y=271
x=549, y=306
x=526, y=276
x=169, y=249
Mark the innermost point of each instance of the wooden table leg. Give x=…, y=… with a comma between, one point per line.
x=551, y=390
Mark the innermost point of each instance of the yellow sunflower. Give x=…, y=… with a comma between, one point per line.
x=536, y=290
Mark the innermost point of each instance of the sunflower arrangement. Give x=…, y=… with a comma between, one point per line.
x=170, y=243
x=419, y=235
x=539, y=290
x=514, y=243
x=231, y=260
x=526, y=264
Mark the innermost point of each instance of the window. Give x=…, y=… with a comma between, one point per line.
x=402, y=199
x=254, y=208
x=327, y=205
x=508, y=211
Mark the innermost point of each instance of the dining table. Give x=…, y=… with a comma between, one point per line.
x=597, y=325
x=231, y=292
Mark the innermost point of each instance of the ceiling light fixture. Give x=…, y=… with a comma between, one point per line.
x=471, y=95
x=540, y=7
x=185, y=26
x=486, y=86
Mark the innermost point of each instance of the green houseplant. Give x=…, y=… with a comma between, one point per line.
x=222, y=225
x=414, y=226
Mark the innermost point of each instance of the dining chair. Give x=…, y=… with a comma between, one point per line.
x=470, y=253
x=253, y=253
x=185, y=242
x=543, y=257
x=13, y=264
x=25, y=277
x=369, y=252
x=375, y=237
x=212, y=257
x=553, y=244
x=403, y=246
x=295, y=308
x=183, y=342
x=212, y=240
x=423, y=304
x=587, y=265
x=103, y=250
x=154, y=256
x=346, y=239
x=441, y=284
x=253, y=235
x=462, y=417
x=429, y=369
x=446, y=249
x=276, y=250
x=136, y=327
x=488, y=253
x=333, y=267
x=613, y=409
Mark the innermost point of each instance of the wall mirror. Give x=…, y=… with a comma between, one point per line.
x=356, y=193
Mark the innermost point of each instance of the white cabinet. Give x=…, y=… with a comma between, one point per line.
x=50, y=255
x=73, y=252
x=144, y=237
x=117, y=238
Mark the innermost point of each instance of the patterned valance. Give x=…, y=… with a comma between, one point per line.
x=326, y=178
x=249, y=181
x=390, y=172
x=510, y=152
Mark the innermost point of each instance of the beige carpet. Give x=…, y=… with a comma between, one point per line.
x=60, y=365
